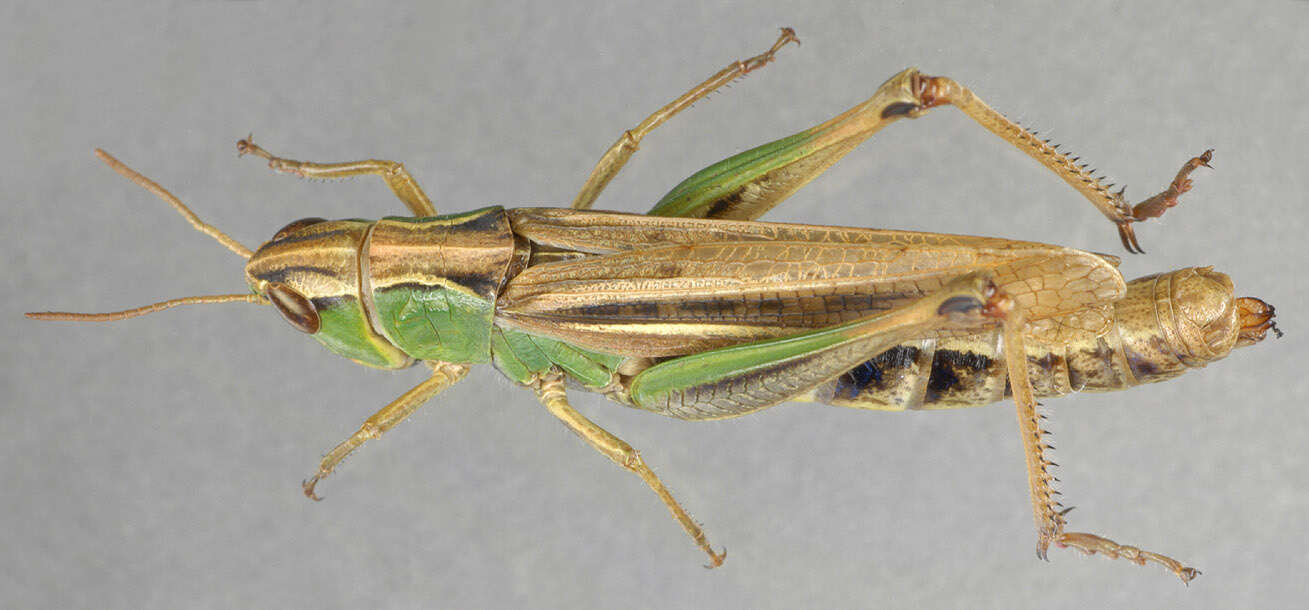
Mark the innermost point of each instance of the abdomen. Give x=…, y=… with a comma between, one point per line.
x=1165, y=325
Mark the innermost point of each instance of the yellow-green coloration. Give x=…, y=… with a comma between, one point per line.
x=436, y=322
x=522, y=357
x=434, y=282
x=346, y=332
x=718, y=183
x=655, y=384
x=396, y=290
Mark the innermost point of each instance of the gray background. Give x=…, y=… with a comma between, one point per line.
x=156, y=463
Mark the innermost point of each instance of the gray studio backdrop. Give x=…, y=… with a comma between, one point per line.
x=155, y=463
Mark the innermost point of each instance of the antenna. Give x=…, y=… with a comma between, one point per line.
x=170, y=199
x=201, y=226
x=145, y=309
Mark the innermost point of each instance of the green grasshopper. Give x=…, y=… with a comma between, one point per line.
x=699, y=312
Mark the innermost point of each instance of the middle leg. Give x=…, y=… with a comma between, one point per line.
x=552, y=395
x=444, y=375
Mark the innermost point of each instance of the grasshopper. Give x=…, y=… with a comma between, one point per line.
x=698, y=311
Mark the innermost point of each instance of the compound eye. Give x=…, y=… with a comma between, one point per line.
x=294, y=307
x=296, y=226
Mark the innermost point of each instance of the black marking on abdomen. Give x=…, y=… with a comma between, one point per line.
x=1141, y=367
x=858, y=378
x=954, y=371
x=1092, y=367
x=1046, y=363
x=872, y=372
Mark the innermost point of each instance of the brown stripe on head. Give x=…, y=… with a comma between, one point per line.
x=318, y=260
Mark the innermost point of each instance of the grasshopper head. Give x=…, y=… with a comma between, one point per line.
x=288, y=298
x=310, y=271
x=306, y=265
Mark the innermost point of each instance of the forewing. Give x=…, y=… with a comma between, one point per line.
x=667, y=286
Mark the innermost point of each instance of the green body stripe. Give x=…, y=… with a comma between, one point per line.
x=507, y=361
x=654, y=384
x=444, y=323
x=345, y=331
x=521, y=357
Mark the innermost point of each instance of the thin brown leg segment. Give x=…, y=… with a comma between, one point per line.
x=938, y=90
x=444, y=375
x=622, y=150
x=552, y=395
x=396, y=176
x=1155, y=207
x=1092, y=544
x=745, y=186
x=1048, y=513
x=1045, y=510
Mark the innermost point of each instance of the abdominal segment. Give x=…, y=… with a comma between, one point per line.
x=970, y=371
